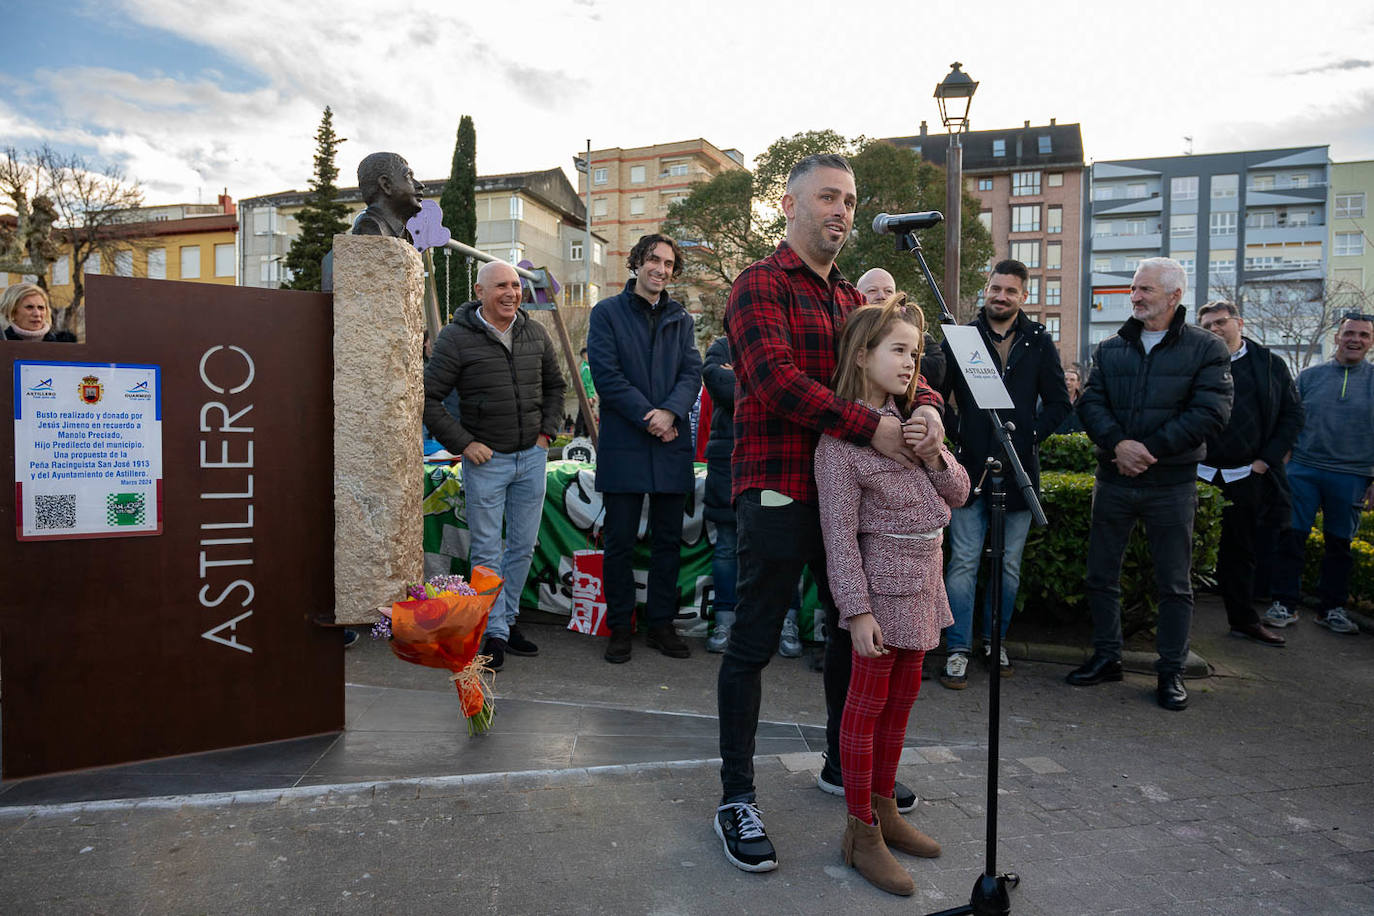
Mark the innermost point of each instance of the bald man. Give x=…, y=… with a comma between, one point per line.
x=877, y=286
x=510, y=401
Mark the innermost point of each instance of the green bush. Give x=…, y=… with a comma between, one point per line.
x=1072, y=452
x=1361, y=573
x=1054, y=563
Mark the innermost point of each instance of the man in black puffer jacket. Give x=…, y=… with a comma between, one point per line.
x=1157, y=390
x=510, y=398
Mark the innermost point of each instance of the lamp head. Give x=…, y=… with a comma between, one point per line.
x=955, y=95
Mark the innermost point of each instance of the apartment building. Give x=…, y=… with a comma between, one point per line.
x=1247, y=226
x=1350, y=274
x=521, y=216
x=631, y=190
x=1030, y=184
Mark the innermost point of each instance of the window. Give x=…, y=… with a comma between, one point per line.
x=1054, y=221
x=1348, y=243
x=1135, y=190
x=1055, y=179
x=157, y=264
x=224, y=260
x=1134, y=227
x=1224, y=186
x=1033, y=291
x=677, y=169
x=999, y=147
x=574, y=251
x=1054, y=255
x=1027, y=253
x=1350, y=206
x=636, y=174
x=517, y=207
x=1052, y=321
x=985, y=218
x=1183, y=188
x=1102, y=264
x=599, y=208
x=92, y=263
x=124, y=263
x=269, y=270
x=1299, y=180
x=1044, y=145
x=1262, y=219
x=596, y=252
x=1053, y=293
x=1223, y=224
x=1025, y=183
x=516, y=254
x=190, y=262
x=1188, y=259
x=1182, y=224
x=1025, y=218
x=265, y=221
x=1130, y=264
x=61, y=271
x=985, y=184
x=1103, y=192
x=674, y=199
x=1102, y=229
x=1299, y=217
x=636, y=206
x=598, y=176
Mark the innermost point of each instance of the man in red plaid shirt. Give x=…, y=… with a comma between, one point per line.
x=784, y=321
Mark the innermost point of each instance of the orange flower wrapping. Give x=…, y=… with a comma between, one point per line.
x=446, y=632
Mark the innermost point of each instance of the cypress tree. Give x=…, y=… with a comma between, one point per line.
x=459, y=203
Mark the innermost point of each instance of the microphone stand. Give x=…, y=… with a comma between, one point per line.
x=991, y=893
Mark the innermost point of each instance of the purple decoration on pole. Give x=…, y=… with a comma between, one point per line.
x=427, y=227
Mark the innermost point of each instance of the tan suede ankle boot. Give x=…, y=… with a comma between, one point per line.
x=864, y=849
x=898, y=832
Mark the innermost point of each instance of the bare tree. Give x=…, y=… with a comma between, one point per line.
x=1296, y=317
x=27, y=247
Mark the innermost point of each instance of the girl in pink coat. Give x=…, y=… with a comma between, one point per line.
x=883, y=522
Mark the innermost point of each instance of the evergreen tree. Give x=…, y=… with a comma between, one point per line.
x=459, y=203
x=323, y=216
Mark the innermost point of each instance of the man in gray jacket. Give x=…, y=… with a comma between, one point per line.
x=1158, y=389
x=510, y=399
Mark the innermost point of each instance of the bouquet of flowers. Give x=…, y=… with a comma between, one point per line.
x=441, y=626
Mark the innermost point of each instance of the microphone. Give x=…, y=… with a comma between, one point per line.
x=906, y=222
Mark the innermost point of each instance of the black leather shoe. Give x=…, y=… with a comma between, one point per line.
x=664, y=638
x=496, y=648
x=1171, y=693
x=1098, y=670
x=618, y=649
x=1260, y=634
x=517, y=644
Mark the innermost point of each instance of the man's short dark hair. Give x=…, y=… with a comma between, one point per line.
x=818, y=161
x=584, y=352
x=373, y=167
x=646, y=244
x=1218, y=305
x=1012, y=268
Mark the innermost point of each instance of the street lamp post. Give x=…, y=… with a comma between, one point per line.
x=955, y=95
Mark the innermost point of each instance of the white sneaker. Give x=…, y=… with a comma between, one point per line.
x=1279, y=615
x=1336, y=621
x=1003, y=663
x=955, y=675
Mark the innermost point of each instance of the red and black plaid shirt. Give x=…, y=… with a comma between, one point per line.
x=784, y=324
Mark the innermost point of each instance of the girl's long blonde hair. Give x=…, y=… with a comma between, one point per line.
x=867, y=327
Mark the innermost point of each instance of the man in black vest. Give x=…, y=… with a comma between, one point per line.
x=1245, y=459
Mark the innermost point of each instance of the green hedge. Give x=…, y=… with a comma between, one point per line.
x=1361, y=573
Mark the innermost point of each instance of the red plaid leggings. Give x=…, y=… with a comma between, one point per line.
x=881, y=693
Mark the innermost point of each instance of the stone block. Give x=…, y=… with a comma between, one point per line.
x=378, y=404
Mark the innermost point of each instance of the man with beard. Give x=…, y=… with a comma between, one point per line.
x=1028, y=361
x=783, y=321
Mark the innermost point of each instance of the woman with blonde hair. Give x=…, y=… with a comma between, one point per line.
x=28, y=314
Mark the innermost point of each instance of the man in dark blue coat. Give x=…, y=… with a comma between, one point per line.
x=642, y=351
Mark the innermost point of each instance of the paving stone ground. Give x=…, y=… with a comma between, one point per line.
x=1255, y=800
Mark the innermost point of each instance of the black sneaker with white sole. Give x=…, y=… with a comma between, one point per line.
x=741, y=833
x=832, y=783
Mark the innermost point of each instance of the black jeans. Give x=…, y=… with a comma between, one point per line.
x=620, y=530
x=1236, y=555
x=774, y=544
x=1168, y=513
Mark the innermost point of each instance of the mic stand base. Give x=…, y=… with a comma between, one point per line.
x=990, y=897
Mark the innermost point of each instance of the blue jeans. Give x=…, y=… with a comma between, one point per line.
x=724, y=569
x=509, y=487
x=1340, y=497
x=967, y=530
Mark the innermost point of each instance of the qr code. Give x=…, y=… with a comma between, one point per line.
x=55, y=511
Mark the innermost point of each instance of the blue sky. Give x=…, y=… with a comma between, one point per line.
x=193, y=96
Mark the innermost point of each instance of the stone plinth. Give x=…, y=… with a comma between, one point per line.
x=378, y=404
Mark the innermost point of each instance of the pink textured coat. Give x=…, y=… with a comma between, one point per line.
x=865, y=496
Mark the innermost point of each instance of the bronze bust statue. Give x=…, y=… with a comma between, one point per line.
x=393, y=195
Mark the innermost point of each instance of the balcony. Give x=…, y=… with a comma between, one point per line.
x=1148, y=243
x=1281, y=234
